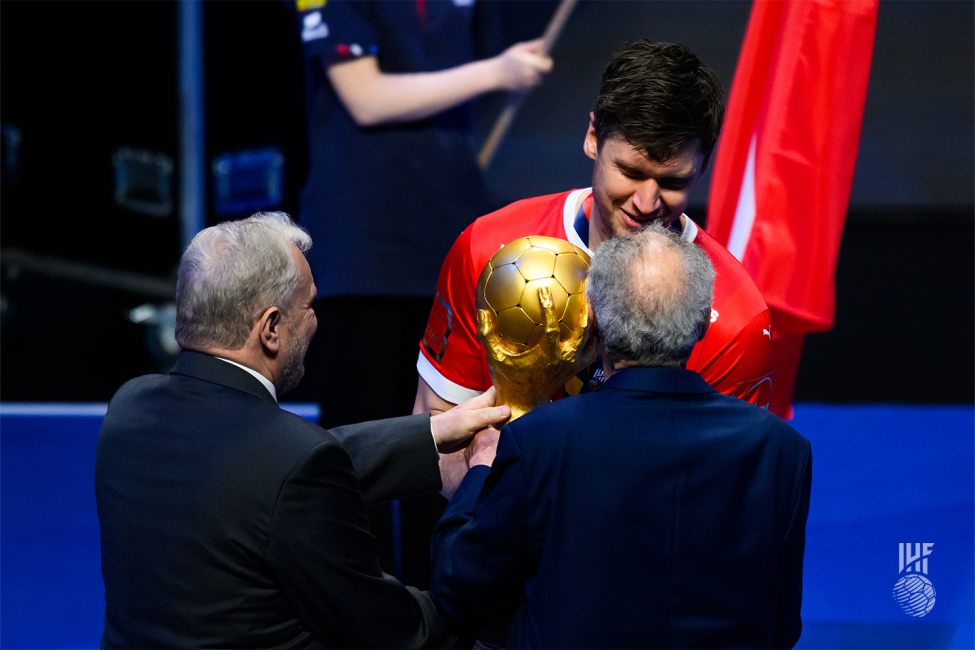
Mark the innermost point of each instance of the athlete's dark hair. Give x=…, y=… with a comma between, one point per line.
x=660, y=97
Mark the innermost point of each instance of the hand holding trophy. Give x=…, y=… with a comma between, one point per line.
x=532, y=316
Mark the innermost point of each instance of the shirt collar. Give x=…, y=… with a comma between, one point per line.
x=577, y=221
x=264, y=380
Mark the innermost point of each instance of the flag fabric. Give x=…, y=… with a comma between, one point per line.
x=784, y=165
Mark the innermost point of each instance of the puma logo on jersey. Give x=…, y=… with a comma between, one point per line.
x=767, y=333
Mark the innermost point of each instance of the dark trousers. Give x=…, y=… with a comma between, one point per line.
x=362, y=366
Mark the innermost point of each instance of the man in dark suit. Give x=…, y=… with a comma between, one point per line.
x=227, y=521
x=654, y=513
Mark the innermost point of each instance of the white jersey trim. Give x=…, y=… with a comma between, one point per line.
x=569, y=219
x=442, y=386
x=690, y=229
x=569, y=213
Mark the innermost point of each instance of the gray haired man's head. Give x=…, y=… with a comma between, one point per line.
x=231, y=273
x=651, y=297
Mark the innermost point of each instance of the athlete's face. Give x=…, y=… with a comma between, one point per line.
x=631, y=190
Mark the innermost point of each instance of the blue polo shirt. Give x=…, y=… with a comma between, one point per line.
x=384, y=204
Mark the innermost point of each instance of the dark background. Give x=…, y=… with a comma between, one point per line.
x=81, y=79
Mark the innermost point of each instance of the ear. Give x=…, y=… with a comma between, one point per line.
x=590, y=146
x=593, y=327
x=269, y=330
x=591, y=323
x=705, y=326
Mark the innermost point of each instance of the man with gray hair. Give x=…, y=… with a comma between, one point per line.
x=227, y=521
x=652, y=513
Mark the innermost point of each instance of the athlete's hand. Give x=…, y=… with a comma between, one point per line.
x=479, y=451
x=453, y=469
x=483, y=448
x=527, y=380
x=521, y=68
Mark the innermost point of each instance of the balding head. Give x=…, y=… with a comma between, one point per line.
x=651, y=297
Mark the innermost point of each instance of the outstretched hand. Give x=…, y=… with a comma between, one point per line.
x=453, y=429
x=528, y=379
x=521, y=67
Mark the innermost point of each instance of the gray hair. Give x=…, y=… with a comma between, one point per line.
x=651, y=296
x=232, y=272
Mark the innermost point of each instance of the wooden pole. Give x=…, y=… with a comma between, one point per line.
x=515, y=100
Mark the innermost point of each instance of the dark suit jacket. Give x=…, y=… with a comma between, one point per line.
x=655, y=513
x=227, y=521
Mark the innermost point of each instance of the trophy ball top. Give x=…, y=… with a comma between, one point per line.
x=510, y=281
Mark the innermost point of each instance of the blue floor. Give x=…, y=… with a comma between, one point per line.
x=882, y=475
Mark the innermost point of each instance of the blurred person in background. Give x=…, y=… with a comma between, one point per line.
x=393, y=179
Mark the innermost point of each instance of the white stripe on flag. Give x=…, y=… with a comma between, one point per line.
x=741, y=227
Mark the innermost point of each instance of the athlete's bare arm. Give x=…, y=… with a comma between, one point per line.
x=374, y=97
x=453, y=467
x=427, y=401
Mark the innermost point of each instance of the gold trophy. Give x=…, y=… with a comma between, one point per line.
x=532, y=315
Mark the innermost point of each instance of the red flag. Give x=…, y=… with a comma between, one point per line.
x=784, y=166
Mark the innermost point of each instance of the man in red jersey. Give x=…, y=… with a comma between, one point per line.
x=651, y=134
